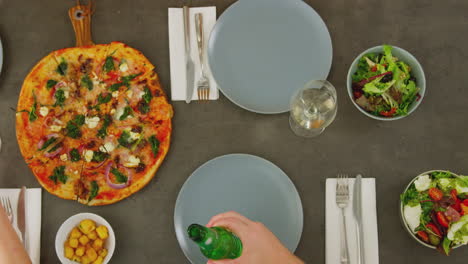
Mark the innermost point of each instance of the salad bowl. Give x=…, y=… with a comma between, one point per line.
x=403, y=219
x=417, y=74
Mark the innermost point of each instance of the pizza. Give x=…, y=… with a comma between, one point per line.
x=93, y=122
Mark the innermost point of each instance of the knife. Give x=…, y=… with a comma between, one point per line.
x=357, y=210
x=21, y=212
x=189, y=65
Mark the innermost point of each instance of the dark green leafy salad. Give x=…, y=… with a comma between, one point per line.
x=435, y=208
x=383, y=85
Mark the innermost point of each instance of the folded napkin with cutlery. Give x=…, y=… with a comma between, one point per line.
x=369, y=224
x=177, y=51
x=33, y=218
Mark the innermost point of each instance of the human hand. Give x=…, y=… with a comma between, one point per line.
x=260, y=245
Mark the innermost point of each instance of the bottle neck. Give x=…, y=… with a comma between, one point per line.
x=199, y=233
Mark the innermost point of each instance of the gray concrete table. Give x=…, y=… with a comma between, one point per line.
x=434, y=137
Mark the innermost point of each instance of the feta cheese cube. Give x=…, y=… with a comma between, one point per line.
x=88, y=155
x=55, y=128
x=132, y=162
x=64, y=157
x=107, y=147
x=43, y=111
x=123, y=67
x=134, y=136
x=92, y=122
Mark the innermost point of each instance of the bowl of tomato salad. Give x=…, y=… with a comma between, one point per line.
x=434, y=210
x=386, y=83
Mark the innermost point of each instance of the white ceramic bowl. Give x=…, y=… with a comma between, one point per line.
x=403, y=220
x=402, y=55
x=73, y=221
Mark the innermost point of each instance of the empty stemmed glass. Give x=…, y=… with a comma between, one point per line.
x=313, y=108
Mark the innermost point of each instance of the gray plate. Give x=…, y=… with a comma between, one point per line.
x=261, y=51
x=244, y=183
x=1, y=60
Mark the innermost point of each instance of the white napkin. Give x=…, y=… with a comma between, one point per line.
x=177, y=51
x=33, y=219
x=333, y=224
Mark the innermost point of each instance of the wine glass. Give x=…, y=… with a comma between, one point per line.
x=313, y=108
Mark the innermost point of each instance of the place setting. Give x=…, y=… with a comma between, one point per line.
x=94, y=124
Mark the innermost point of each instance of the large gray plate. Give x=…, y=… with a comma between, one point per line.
x=244, y=183
x=261, y=51
x=1, y=59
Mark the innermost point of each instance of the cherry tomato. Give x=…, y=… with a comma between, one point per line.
x=436, y=194
x=423, y=235
x=442, y=219
x=434, y=229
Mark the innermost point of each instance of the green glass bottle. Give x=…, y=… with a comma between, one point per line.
x=215, y=242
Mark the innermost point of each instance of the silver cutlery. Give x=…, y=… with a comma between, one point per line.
x=6, y=204
x=203, y=85
x=357, y=209
x=21, y=215
x=342, y=200
x=190, y=67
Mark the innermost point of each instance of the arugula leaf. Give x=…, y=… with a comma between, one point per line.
x=126, y=112
x=59, y=97
x=446, y=246
x=104, y=98
x=119, y=177
x=147, y=96
x=107, y=120
x=50, y=83
x=62, y=67
x=75, y=155
x=59, y=175
x=48, y=142
x=363, y=70
x=114, y=87
x=32, y=113
x=154, y=144
x=99, y=156
x=73, y=126
x=441, y=175
x=126, y=79
x=54, y=148
x=124, y=139
x=87, y=82
x=109, y=64
x=94, y=190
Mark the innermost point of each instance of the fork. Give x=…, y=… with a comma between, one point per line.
x=203, y=85
x=6, y=204
x=342, y=200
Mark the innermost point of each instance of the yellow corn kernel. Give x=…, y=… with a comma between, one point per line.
x=69, y=252
x=92, y=235
x=91, y=254
x=75, y=233
x=86, y=226
x=102, y=232
x=85, y=260
x=73, y=242
x=103, y=252
x=98, y=244
x=84, y=240
x=80, y=251
x=99, y=260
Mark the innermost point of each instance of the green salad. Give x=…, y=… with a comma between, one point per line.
x=435, y=208
x=383, y=85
